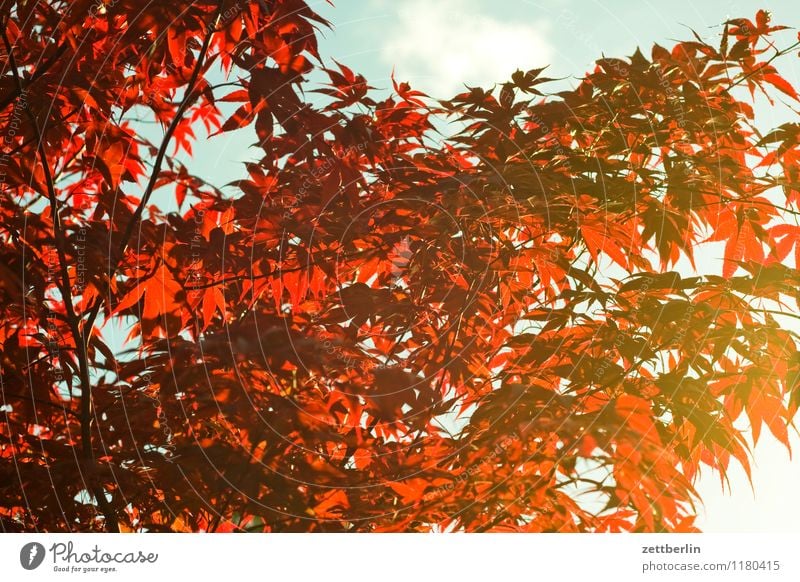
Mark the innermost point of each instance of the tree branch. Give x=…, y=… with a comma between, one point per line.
x=162, y=152
x=66, y=293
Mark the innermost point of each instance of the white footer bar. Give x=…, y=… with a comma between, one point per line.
x=400, y=557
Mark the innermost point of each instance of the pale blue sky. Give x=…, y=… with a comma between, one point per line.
x=438, y=45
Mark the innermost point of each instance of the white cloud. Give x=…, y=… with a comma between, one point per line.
x=440, y=46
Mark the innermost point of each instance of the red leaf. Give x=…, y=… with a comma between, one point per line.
x=781, y=84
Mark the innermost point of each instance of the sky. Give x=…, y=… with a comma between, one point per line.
x=438, y=46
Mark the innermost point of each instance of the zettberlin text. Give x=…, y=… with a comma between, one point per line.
x=667, y=549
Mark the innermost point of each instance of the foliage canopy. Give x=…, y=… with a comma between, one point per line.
x=379, y=328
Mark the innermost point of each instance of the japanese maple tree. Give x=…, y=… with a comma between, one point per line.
x=479, y=314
